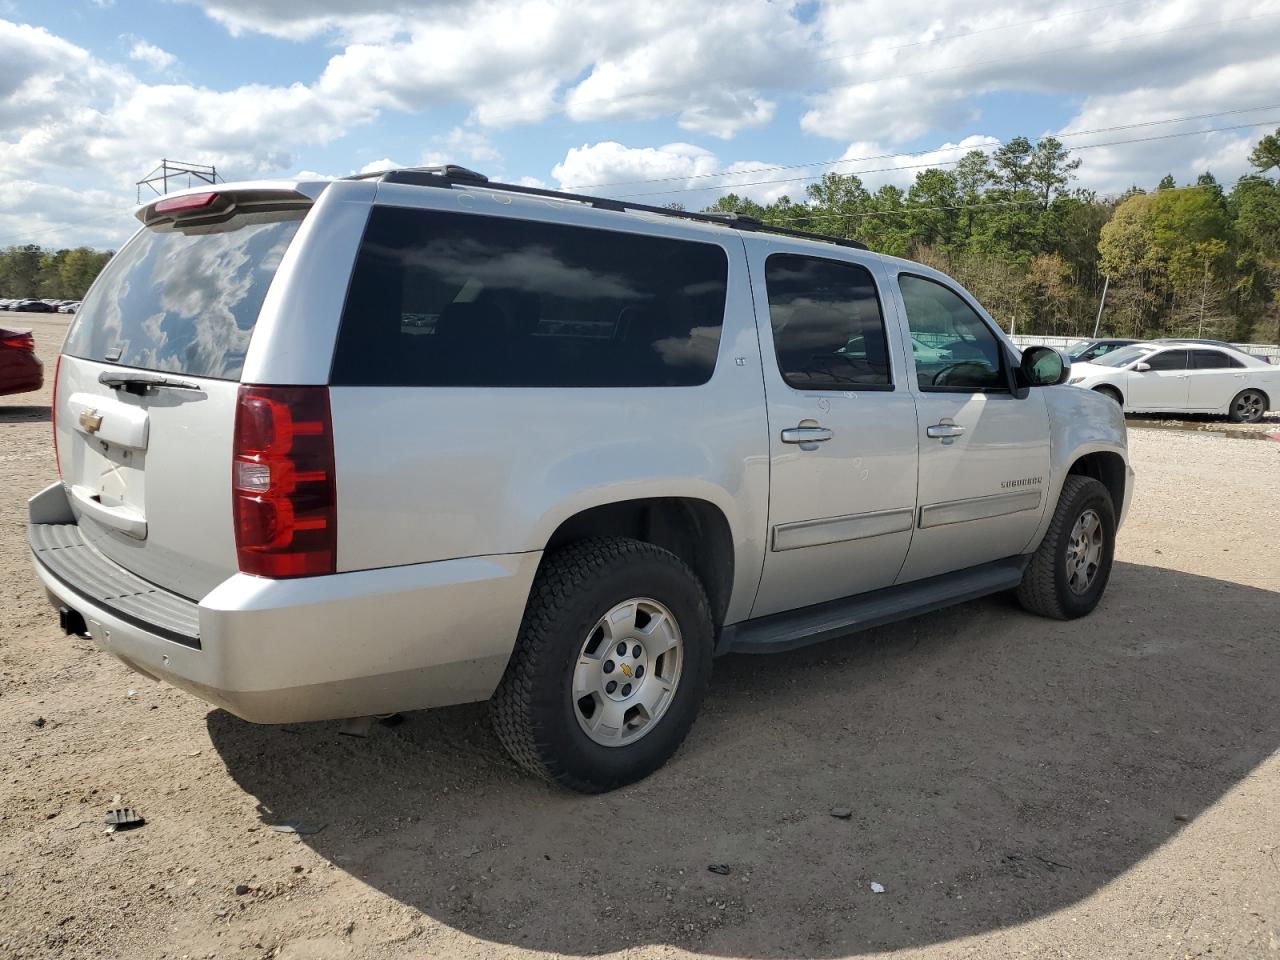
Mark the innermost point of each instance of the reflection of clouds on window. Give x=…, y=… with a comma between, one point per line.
x=816, y=323
x=183, y=303
x=154, y=328
x=528, y=269
x=698, y=349
x=705, y=287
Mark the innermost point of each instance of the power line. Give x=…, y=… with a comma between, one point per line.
x=944, y=163
x=913, y=153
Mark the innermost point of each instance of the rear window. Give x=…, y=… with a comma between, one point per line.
x=1213, y=360
x=184, y=301
x=447, y=299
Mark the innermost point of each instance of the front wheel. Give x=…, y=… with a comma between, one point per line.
x=1070, y=569
x=1248, y=406
x=1111, y=393
x=610, y=666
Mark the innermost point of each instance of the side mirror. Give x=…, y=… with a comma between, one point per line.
x=1142, y=367
x=1044, y=367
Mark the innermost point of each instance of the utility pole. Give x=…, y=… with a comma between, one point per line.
x=1204, y=293
x=1106, y=282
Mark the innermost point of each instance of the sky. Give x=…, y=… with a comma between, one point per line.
x=648, y=99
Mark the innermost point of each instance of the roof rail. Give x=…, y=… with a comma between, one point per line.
x=450, y=174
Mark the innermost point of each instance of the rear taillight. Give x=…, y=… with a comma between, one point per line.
x=283, y=493
x=22, y=342
x=53, y=416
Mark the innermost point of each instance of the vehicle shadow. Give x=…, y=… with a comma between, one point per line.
x=24, y=414
x=996, y=767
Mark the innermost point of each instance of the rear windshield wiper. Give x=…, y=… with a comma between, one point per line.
x=140, y=383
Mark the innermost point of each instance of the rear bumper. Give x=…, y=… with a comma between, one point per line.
x=314, y=648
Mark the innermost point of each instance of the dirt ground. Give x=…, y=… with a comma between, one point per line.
x=1020, y=788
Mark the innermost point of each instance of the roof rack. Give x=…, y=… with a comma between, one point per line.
x=448, y=175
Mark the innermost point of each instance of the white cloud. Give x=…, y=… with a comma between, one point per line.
x=1153, y=152
x=294, y=21
x=594, y=168
x=56, y=216
x=377, y=166
x=519, y=61
x=151, y=55
x=695, y=177
x=877, y=165
x=898, y=83
x=467, y=143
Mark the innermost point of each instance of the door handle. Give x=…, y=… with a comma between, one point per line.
x=806, y=435
x=944, y=431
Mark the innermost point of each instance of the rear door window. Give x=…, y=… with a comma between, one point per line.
x=828, y=329
x=447, y=299
x=1213, y=360
x=184, y=300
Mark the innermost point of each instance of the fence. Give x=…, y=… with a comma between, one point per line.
x=1268, y=351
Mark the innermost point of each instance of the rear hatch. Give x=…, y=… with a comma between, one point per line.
x=147, y=383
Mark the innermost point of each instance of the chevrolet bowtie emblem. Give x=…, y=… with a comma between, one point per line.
x=91, y=420
x=626, y=669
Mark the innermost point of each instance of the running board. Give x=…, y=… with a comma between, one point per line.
x=837, y=618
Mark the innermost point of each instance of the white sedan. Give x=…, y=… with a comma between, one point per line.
x=1183, y=378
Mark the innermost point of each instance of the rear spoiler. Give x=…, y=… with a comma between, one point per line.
x=215, y=203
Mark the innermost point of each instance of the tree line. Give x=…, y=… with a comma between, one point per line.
x=33, y=272
x=1180, y=260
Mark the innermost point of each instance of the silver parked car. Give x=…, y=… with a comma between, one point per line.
x=331, y=449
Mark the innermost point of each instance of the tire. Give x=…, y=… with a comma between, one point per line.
x=565, y=646
x=1111, y=393
x=1047, y=586
x=1248, y=406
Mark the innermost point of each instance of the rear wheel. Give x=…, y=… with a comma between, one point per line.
x=1249, y=406
x=610, y=666
x=1111, y=393
x=1070, y=569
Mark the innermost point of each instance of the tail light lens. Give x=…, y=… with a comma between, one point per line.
x=53, y=416
x=192, y=201
x=283, y=490
x=20, y=342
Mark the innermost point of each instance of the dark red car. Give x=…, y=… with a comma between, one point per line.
x=20, y=370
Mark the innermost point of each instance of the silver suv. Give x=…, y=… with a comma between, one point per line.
x=333, y=449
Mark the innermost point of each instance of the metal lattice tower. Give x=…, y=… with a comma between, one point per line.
x=183, y=175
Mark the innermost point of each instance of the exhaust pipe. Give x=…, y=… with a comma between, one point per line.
x=72, y=622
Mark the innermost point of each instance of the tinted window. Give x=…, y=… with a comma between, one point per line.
x=1168, y=360
x=446, y=299
x=1105, y=348
x=953, y=347
x=828, y=331
x=1125, y=355
x=1213, y=360
x=184, y=301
